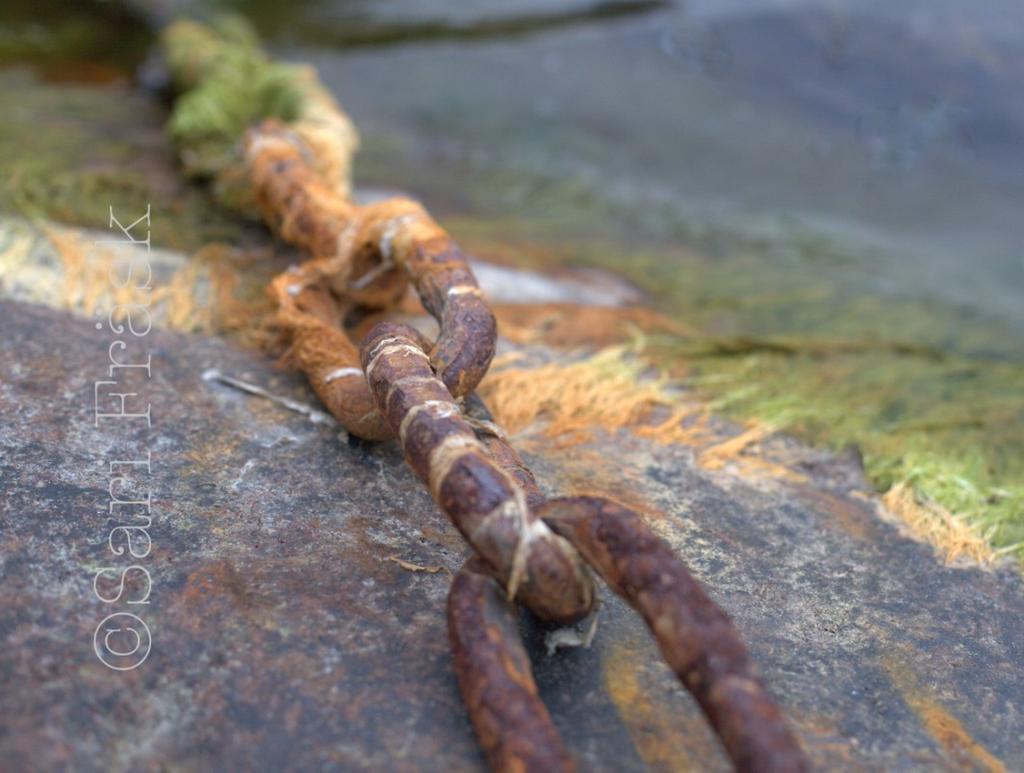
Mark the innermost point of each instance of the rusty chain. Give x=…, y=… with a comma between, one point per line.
x=528, y=549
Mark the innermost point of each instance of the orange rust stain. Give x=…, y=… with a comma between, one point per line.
x=850, y=517
x=941, y=725
x=658, y=736
x=592, y=473
x=209, y=457
x=212, y=590
x=947, y=730
x=825, y=743
x=214, y=579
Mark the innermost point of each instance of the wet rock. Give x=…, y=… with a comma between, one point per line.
x=283, y=633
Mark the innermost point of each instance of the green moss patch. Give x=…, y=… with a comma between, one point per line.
x=228, y=84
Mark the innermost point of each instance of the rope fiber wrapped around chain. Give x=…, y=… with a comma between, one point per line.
x=397, y=384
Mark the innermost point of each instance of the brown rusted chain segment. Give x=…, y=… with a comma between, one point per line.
x=321, y=349
x=481, y=482
x=402, y=232
x=696, y=637
x=483, y=501
x=495, y=678
x=494, y=439
x=365, y=253
x=449, y=291
x=596, y=537
x=307, y=212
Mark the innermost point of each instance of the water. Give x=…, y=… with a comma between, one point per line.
x=894, y=132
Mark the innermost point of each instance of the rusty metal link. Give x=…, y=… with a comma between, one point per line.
x=330, y=360
x=363, y=255
x=495, y=679
x=493, y=437
x=697, y=639
x=491, y=496
x=485, y=503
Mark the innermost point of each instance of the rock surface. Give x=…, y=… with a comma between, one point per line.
x=283, y=633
